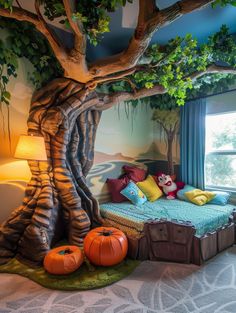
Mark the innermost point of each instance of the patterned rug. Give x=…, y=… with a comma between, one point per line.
x=153, y=287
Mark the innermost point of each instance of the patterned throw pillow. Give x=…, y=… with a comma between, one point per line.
x=134, y=194
x=150, y=188
x=199, y=197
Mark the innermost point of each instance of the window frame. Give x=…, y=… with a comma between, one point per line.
x=219, y=152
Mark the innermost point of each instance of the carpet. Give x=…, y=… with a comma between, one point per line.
x=153, y=287
x=86, y=277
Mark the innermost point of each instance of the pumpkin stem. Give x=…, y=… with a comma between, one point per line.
x=66, y=251
x=106, y=233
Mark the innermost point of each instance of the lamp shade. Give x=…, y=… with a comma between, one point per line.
x=31, y=148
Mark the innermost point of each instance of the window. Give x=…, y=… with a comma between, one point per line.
x=220, y=159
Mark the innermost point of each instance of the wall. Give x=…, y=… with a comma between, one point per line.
x=21, y=91
x=128, y=135
x=222, y=103
x=124, y=135
x=14, y=173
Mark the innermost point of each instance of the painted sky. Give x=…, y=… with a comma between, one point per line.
x=130, y=135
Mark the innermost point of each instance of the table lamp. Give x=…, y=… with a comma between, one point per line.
x=31, y=148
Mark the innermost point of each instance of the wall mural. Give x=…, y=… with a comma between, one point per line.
x=133, y=136
x=125, y=135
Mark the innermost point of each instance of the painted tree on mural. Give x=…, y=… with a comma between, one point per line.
x=169, y=122
x=66, y=110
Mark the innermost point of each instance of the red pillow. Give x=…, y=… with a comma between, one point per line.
x=115, y=186
x=134, y=173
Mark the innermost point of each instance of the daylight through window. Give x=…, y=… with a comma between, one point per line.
x=220, y=160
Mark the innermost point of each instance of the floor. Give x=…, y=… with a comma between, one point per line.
x=152, y=287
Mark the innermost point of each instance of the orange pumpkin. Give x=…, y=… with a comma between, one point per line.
x=105, y=246
x=63, y=260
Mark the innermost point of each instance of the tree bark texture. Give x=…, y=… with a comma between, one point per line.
x=58, y=203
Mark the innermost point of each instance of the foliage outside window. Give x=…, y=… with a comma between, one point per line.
x=220, y=162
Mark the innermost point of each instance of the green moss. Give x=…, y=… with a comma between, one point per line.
x=82, y=279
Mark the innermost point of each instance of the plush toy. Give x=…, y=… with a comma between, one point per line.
x=168, y=186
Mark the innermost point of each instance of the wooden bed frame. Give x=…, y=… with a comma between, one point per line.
x=175, y=241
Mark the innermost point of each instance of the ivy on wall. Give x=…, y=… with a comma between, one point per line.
x=24, y=41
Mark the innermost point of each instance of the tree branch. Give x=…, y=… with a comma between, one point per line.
x=18, y=3
x=117, y=97
x=117, y=76
x=26, y=16
x=149, y=21
x=76, y=62
x=20, y=15
x=162, y=125
x=213, y=69
x=175, y=128
x=53, y=40
x=109, y=100
x=77, y=27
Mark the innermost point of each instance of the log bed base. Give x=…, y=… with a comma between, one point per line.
x=175, y=242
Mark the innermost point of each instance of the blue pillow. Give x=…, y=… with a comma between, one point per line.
x=220, y=198
x=181, y=192
x=134, y=194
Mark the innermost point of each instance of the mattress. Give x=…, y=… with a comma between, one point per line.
x=131, y=218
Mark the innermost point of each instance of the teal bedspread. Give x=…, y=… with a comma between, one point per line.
x=205, y=218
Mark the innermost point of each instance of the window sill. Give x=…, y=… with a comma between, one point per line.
x=232, y=192
x=220, y=188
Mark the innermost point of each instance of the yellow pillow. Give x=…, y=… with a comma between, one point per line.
x=150, y=188
x=199, y=197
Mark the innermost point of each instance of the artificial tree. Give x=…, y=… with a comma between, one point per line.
x=67, y=110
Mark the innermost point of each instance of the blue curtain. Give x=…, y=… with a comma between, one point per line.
x=192, y=142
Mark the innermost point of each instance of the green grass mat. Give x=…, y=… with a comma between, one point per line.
x=82, y=279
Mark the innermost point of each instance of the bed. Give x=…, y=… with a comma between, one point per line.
x=173, y=230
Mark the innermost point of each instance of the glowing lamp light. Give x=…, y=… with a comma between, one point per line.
x=31, y=148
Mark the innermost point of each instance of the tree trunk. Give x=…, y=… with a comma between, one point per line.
x=58, y=203
x=170, y=154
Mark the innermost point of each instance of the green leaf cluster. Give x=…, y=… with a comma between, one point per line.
x=223, y=3
x=223, y=47
x=172, y=66
x=206, y=85
x=93, y=14
x=25, y=41
x=8, y=68
x=167, y=118
x=6, y=4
